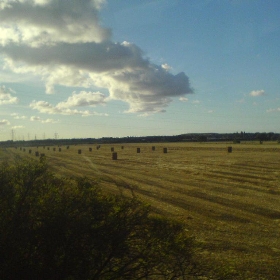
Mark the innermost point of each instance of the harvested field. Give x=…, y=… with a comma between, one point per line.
x=229, y=201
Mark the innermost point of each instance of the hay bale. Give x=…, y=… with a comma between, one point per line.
x=122, y=147
x=153, y=148
x=112, y=149
x=36, y=154
x=229, y=149
x=114, y=156
x=30, y=151
x=90, y=149
x=165, y=150
x=54, y=149
x=59, y=149
x=138, y=150
x=79, y=152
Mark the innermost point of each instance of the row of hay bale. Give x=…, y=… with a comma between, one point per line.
x=114, y=154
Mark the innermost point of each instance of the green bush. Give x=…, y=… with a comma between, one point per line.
x=64, y=228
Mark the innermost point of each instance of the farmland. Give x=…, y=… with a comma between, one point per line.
x=229, y=201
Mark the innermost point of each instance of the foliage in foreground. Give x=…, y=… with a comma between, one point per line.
x=62, y=228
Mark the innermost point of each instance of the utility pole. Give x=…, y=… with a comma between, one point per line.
x=55, y=135
x=13, y=134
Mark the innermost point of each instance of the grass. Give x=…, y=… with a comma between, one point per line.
x=229, y=201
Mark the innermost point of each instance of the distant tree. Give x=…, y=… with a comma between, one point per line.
x=202, y=138
x=63, y=228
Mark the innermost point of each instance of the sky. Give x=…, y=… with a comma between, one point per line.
x=97, y=68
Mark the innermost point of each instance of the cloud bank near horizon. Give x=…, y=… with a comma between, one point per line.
x=64, y=43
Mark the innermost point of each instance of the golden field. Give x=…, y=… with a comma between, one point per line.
x=230, y=202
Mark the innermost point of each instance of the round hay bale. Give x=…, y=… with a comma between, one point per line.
x=229, y=149
x=36, y=154
x=90, y=149
x=30, y=151
x=153, y=148
x=112, y=149
x=79, y=152
x=138, y=150
x=165, y=150
x=114, y=156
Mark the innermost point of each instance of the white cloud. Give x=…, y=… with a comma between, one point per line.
x=83, y=99
x=257, y=92
x=36, y=118
x=210, y=111
x=64, y=43
x=166, y=67
x=18, y=117
x=184, y=99
x=49, y=121
x=4, y=122
x=17, y=127
x=6, y=96
x=47, y=108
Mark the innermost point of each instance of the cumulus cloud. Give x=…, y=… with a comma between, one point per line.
x=35, y=118
x=257, y=92
x=17, y=127
x=49, y=121
x=47, y=108
x=184, y=99
x=83, y=99
x=38, y=119
x=64, y=43
x=6, y=96
x=16, y=116
x=44, y=22
x=4, y=122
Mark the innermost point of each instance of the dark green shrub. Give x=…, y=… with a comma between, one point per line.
x=62, y=228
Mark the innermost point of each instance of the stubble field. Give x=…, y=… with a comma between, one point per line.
x=230, y=202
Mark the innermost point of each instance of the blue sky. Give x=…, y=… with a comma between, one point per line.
x=133, y=68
